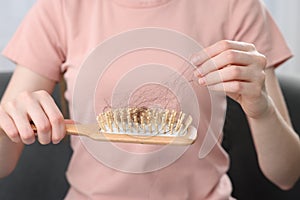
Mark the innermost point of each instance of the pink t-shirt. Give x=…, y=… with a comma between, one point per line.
x=56, y=37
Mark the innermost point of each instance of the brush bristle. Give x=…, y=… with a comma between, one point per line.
x=144, y=121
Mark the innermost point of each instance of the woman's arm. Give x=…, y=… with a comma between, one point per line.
x=277, y=144
x=27, y=98
x=239, y=70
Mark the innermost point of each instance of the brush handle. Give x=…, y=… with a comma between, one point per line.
x=76, y=129
x=92, y=131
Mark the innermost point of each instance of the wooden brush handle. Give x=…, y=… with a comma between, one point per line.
x=75, y=129
x=92, y=131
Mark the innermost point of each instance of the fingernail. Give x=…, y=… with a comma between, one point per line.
x=201, y=81
x=198, y=72
x=195, y=60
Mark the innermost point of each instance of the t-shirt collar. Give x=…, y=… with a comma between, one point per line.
x=141, y=3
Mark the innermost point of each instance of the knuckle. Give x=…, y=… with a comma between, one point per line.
x=42, y=93
x=25, y=95
x=237, y=86
x=27, y=132
x=13, y=133
x=11, y=105
x=8, y=127
x=261, y=60
x=262, y=76
x=27, y=137
x=57, y=120
x=44, y=127
x=194, y=56
x=251, y=47
x=231, y=56
x=56, y=138
x=236, y=71
x=27, y=99
x=225, y=44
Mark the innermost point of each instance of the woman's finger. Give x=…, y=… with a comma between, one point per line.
x=228, y=73
x=54, y=115
x=219, y=47
x=39, y=118
x=249, y=89
x=229, y=57
x=21, y=121
x=8, y=126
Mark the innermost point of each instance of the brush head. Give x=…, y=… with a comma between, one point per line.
x=144, y=121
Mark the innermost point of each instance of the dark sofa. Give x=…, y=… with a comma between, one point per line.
x=40, y=171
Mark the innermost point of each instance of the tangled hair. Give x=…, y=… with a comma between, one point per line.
x=159, y=95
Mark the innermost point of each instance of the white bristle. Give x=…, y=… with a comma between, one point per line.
x=144, y=121
x=116, y=120
x=123, y=120
x=187, y=123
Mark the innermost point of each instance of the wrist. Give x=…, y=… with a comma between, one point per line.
x=267, y=112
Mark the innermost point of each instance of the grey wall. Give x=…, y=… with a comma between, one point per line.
x=286, y=14
x=11, y=14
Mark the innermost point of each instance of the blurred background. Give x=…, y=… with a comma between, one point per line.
x=285, y=14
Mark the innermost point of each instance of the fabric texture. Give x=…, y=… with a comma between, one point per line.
x=57, y=36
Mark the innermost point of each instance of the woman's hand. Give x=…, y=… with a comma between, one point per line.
x=38, y=107
x=238, y=69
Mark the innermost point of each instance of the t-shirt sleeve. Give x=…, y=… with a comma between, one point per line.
x=39, y=42
x=251, y=22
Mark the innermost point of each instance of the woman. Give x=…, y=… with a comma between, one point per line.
x=238, y=35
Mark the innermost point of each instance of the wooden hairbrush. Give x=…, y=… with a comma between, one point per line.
x=138, y=125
